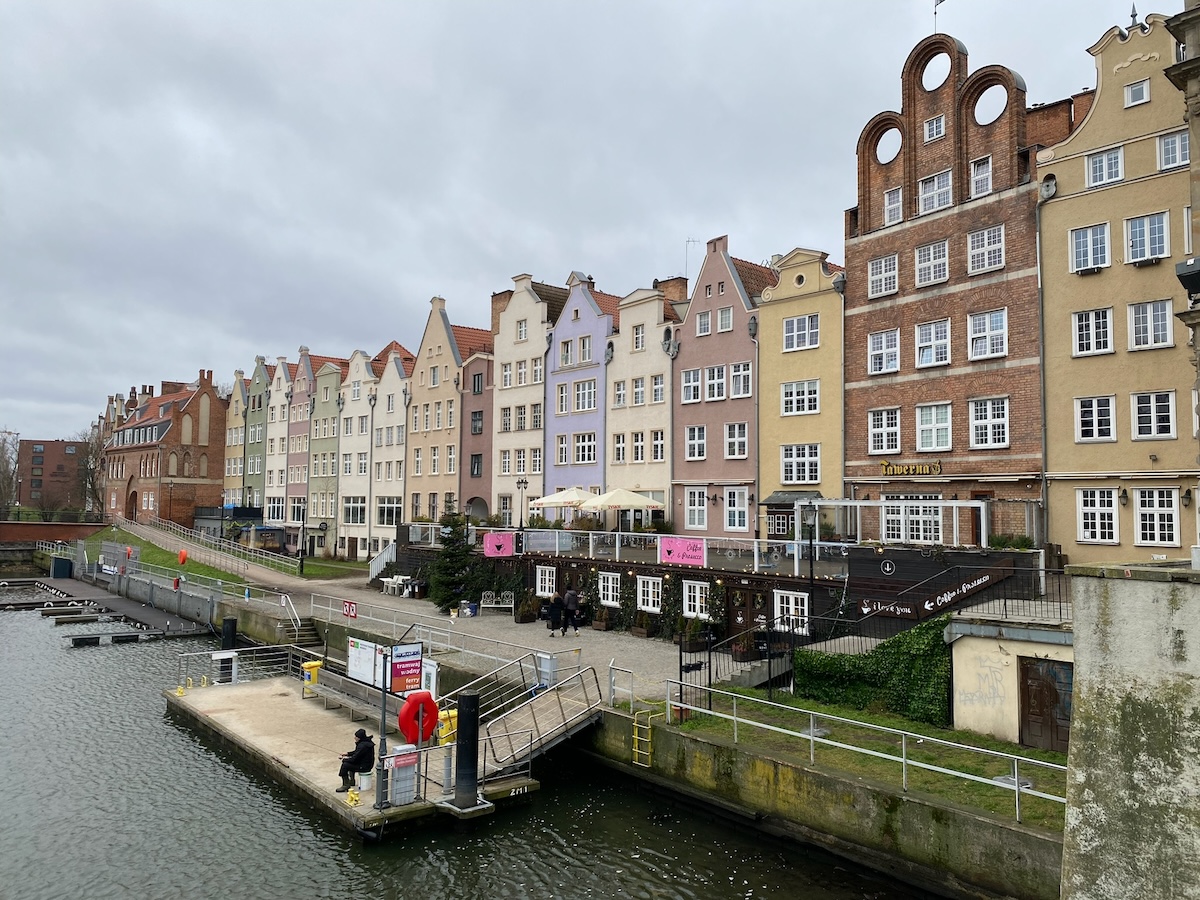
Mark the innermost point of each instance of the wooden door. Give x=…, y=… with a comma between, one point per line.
x=1047, y=686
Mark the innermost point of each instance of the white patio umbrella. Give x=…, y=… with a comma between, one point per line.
x=619, y=498
x=571, y=498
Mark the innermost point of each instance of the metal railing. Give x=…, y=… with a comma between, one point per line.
x=210, y=667
x=381, y=560
x=1014, y=778
x=228, y=555
x=549, y=714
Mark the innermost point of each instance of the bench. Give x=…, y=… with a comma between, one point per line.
x=492, y=600
x=362, y=700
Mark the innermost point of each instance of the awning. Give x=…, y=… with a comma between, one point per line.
x=790, y=498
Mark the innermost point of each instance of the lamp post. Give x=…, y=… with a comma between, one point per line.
x=810, y=522
x=522, y=483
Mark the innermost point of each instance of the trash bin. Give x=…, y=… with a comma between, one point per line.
x=472, y=609
x=402, y=774
x=365, y=781
x=447, y=726
x=418, y=590
x=311, y=671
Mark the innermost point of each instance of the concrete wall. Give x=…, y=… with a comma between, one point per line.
x=955, y=852
x=1133, y=798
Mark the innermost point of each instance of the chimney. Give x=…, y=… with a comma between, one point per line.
x=674, y=289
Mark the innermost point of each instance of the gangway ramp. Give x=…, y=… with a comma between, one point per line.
x=548, y=718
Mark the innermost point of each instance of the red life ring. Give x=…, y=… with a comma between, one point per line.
x=421, y=702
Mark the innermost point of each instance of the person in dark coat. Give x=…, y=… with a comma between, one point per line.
x=555, y=612
x=360, y=759
x=570, y=610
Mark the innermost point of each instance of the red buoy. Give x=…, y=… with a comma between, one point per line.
x=182, y=557
x=418, y=704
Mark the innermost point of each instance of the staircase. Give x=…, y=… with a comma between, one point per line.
x=304, y=636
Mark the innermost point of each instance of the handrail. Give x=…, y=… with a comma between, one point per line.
x=676, y=703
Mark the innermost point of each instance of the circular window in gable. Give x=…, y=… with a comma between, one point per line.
x=991, y=104
x=888, y=146
x=936, y=71
x=800, y=280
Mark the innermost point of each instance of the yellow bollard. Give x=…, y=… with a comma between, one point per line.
x=189, y=683
x=179, y=691
x=203, y=681
x=352, y=796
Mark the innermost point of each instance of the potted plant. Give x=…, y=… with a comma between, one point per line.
x=600, y=621
x=693, y=639
x=643, y=625
x=744, y=649
x=527, y=609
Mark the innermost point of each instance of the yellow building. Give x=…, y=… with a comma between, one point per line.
x=1115, y=218
x=800, y=408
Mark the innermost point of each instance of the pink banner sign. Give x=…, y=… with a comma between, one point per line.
x=498, y=543
x=679, y=551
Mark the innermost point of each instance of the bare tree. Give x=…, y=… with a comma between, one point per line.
x=9, y=442
x=89, y=474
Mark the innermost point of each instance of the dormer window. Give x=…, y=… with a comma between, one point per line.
x=935, y=128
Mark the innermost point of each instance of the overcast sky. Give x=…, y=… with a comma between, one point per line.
x=187, y=185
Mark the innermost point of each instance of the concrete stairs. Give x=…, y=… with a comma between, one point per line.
x=306, y=635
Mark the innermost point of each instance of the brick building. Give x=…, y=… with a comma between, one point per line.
x=942, y=331
x=48, y=475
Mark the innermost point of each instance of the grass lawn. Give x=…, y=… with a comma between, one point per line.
x=994, y=799
x=153, y=555
x=319, y=567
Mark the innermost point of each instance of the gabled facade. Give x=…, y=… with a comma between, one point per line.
x=258, y=402
x=521, y=320
x=321, y=537
x=235, y=442
x=639, y=399
x=942, y=332
x=1120, y=427
x=395, y=364
x=716, y=441
x=475, y=407
x=275, y=460
x=576, y=388
x=800, y=362
x=166, y=457
x=359, y=399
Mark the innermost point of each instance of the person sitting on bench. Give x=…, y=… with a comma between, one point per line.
x=360, y=759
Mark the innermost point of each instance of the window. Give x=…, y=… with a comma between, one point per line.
x=708, y=290
x=1093, y=332
x=658, y=446
x=791, y=611
x=735, y=440
x=989, y=422
x=721, y=288
x=546, y=584
x=1156, y=516
x=537, y=370
x=931, y=263
x=883, y=351
x=690, y=387
x=608, y=589
x=535, y=460
x=1094, y=419
x=935, y=128
x=535, y=416
x=1153, y=415
x=695, y=600
x=506, y=418
x=893, y=209
x=585, y=349
x=416, y=461
x=618, y=456
x=1173, y=150
x=725, y=318
x=522, y=329
x=506, y=371
x=585, y=395
x=801, y=332
x=1137, y=93
x=933, y=427
x=935, y=192
x=696, y=441
x=347, y=465
x=505, y=462
x=649, y=593
x=800, y=463
x=881, y=276
x=797, y=398
x=697, y=508
x=564, y=451
x=988, y=334
x=1089, y=248
x=1150, y=325
x=714, y=383
x=435, y=376
x=1096, y=515
x=618, y=394
x=639, y=446
x=1146, y=238
x=477, y=421
x=703, y=323
x=437, y=415
x=585, y=448
x=354, y=510
x=981, y=176
x=566, y=354
x=476, y=465
x=739, y=380
x=985, y=250
x=908, y=521
x=521, y=418
x=933, y=343
x=450, y=459
x=639, y=337
x=657, y=393
x=564, y=399
x=639, y=391
x=1105, y=167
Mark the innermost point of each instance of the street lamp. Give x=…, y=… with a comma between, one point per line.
x=809, y=514
x=522, y=483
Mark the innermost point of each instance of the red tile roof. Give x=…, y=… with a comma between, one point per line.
x=553, y=296
x=754, y=277
x=471, y=340
x=669, y=314
x=609, y=305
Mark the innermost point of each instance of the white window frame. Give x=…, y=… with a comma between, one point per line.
x=893, y=206
x=1096, y=519
x=936, y=192
x=932, y=263
x=985, y=250
x=585, y=395
x=608, y=589
x=1151, y=325
x=639, y=337
x=690, y=385
x=1092, y=333
x=703, y=323
x=932, y=341
x=983, y=333
x=990, y=422
x=649, y=593
x=1156, y=517
x=1147, y=237
x=981, y=176
x=618, y=394
x=741, y=382
x=737, y=440
x=935, y=128
x=935, y=427
x=799, y=463
x=801, y=332
x=1105, y=167
x=883, y=276
x=1101, y=417
x=584, y=448
x=1174, y=150
x=725, y=319
x=714, y=383
x=737, y=509
x=618, y=441
x=791, y=610
x=696, y=508
x=800, y=398
x=585, y=348
x=546, y=581
x=1137, y=93
x=695, y=600
x=883, y=352
x=696, y=445
x=1087, y=248
x=1146, y=412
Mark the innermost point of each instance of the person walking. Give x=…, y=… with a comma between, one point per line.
x=555, y=612
x=570, y=610
x=360, y=759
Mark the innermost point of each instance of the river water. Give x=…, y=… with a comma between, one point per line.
x=105, y=796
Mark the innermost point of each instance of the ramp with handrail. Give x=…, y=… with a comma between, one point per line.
x=551, y=716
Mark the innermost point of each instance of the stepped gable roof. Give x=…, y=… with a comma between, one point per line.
x=754, y=277
x=471, y=340
x=553, y=296
x=609, y=305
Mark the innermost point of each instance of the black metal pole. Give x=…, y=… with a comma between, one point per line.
x=381, y=801
x=466, y=751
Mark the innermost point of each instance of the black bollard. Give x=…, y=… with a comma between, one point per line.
x=228, y=642
x=466, y=782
